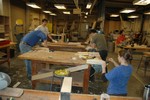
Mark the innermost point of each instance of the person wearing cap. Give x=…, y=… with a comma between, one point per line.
x=28, y=42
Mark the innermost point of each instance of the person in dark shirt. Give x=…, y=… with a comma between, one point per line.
x=98, y=43
x=28, y=42
x=119, y=76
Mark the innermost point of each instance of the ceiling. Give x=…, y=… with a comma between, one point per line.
x=111, y=6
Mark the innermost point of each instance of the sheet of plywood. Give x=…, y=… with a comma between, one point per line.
x=12, y=92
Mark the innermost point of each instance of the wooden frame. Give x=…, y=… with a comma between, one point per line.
x=7, y=47
x=47, y=95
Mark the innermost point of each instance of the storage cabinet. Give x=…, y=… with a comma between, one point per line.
x=4, y=27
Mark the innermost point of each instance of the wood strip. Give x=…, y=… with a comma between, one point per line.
x=12, y=92
x=41, y=76
x=47, y=95
x=67, y=85
x=77, y=68
x=16, y=85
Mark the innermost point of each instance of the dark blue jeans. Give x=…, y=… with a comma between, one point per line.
x=26, y=48
x=103, y=54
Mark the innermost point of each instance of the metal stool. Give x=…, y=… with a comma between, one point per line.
x=146, y=62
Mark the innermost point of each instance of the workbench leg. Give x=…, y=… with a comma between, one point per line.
x=86, y=79
x=8, y=56
x=34, y=72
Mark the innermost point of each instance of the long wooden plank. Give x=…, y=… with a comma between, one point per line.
x=50, y=74
x=66, y=88
x=41, y=76
x=47, y=95
x=77, y=68
x=138, y=47
x=67, y=85
x=12, y=92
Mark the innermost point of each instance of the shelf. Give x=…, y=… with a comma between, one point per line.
x=7, y=35
x=4, y=27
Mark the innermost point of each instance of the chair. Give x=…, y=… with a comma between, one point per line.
x=146, y=62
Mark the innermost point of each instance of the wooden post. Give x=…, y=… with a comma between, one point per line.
x=34, y=72
x=86, y=79
x=8, y=55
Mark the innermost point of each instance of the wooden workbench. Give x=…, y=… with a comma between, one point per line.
x=57, y=58
x=67, y=46
x=47, y=95
x=7, y=47
x=137, y=47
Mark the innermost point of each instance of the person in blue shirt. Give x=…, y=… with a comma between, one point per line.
x=118, y=77
x=28, y=42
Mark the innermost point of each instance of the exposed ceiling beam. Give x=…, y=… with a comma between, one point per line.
x=93, y=4
x=118, y=4
x=120, y=1
x=76, y=3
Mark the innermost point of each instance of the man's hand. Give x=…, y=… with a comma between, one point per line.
x=43, y=44
x=113, y=61
x=54, y=41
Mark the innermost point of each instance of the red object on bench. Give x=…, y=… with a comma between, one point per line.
x=4, y=42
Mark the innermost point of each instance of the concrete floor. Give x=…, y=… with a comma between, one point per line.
x=135, y=86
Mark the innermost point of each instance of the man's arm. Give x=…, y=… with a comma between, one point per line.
x=52, y=38
x=103, y=72
x=44, y=43
x=114, y=62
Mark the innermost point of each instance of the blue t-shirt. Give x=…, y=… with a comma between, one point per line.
x=33, y=37
x=118, y=79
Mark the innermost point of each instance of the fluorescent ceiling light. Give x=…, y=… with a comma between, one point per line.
x=133, y=16
x=147, y=13
x=86, y=13
x=127, y=10
x=88, y=6
x=53, y=14
x=47, y=11
x=60, y=6
x=114, y=15
x=85, y=16
x=141, y=2
x=33, y=5
x=66, y=12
